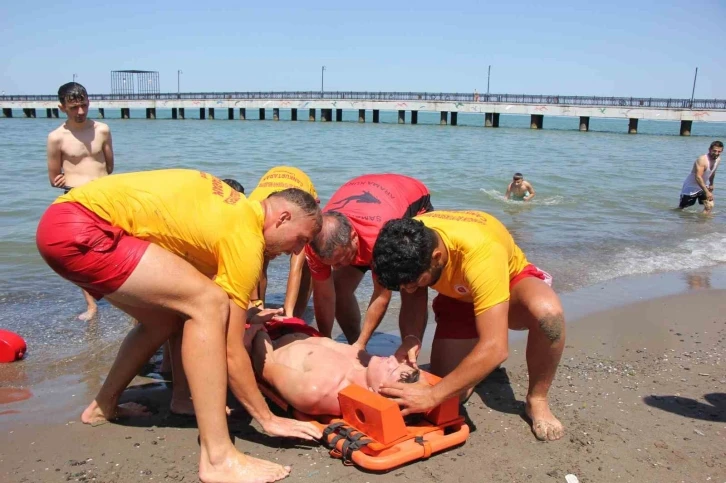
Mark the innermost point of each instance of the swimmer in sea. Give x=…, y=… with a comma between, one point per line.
x=519, y=189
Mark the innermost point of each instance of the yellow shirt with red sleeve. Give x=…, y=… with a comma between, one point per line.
x=482, y=257
x=281, y=178
x=189, y=213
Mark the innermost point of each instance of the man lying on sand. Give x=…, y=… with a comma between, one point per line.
x=309, y=372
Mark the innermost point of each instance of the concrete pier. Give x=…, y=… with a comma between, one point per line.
x=275, y=113
x=262, y=113
x=102, y=113
x=326, y=115
x=584, y=123
x=202, y=113
x=210, y=113
x=338, y=115
x=7, y=112
x=444, y=118
x=536, y=121
x=414, y=117
x=633, y=126
x=242, y=114
x=230, y=113
x=454, y=118
x=293, y=114
x=150, y=113
x=125, y=113
x=686, y=128
x=376, y=116
x=401, y=117
x=181, y=113
x=174, y=113
x=311, y=115
x=361, y=115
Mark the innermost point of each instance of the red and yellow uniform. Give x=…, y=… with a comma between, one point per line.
x=96, y=234
x=281, y=178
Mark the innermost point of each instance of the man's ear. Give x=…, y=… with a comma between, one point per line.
x=436, y=256
x=353, y=234
x=284, y=217
x=62, y=108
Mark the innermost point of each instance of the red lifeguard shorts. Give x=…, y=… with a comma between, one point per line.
x=455, y=319
x=86, y=249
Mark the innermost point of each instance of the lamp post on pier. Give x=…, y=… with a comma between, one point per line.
x=322, y=81
x=178, y=75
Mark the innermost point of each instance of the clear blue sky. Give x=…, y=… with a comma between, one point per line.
x=619, y=48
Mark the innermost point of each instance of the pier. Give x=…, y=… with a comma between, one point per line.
x=235, y=105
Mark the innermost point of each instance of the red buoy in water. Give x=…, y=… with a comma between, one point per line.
x=12, y=346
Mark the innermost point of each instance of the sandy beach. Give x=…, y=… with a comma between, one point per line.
x=641, y=391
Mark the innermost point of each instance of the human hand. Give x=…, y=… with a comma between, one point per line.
x=359, y=345
x=290, y=428
x=59, y=181
x=412, y=398
x=709, y=196
x=710, y=188
x=264, y=315
x=408, y=350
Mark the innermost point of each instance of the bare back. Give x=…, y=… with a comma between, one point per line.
x=81, y=154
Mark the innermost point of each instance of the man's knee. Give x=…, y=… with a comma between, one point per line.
x=552, y=324
x=211, y=302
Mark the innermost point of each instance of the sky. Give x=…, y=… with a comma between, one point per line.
x=619, y=48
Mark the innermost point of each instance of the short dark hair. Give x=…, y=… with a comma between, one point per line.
x=303, y=200
x=518, y=176
x=235, y=185
x=402, y=252
x=337, y=235
x=72, y=92
x=716, y=144
x=410, y=377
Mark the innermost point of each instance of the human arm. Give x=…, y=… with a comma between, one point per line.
x=55, y=176
x=324, y=304
x=530, y=189
x=412, y=321
x=108, y=151
x=293, y=282
x=509, y=191
x=376, y=310
x=488, y=353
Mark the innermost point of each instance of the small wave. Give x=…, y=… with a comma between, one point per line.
x=499, y=196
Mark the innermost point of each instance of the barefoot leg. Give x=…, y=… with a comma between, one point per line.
x=181, y=396
x=91, y=307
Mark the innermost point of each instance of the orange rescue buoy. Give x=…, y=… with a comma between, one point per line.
x=12, y=346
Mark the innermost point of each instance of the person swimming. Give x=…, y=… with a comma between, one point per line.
x=519, y=189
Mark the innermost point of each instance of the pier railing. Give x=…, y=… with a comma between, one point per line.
x=641, y=102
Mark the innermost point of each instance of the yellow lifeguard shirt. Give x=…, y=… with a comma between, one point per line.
x=482, y=257
x=189, y=213
x=281, y=178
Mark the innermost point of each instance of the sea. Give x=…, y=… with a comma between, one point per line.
x=604, y=214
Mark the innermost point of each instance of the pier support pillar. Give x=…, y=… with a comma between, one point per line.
x=326, y=115
x=338, y=115
x=414, y=117
x=102, y=113
x=633, y=126
x=29, y=112
x=150, y=113
x=293, y=114
x=361, y=115
x=536, y=121
x=230, y=113
x=55, y=112
x=376, y=116
x=210, y=113
x=242, y=113
x=311, y=115
x=454, y=118
x=584, y=123
x=7, y=112
x=174, y=113
x=202, y=113
x=125, y=113
x=491, y=119
x=262, y=113
x=444, y=118
x=686, y=128
x=401, y=117
x=275, y=113
x=48, y=112
x=181, y=113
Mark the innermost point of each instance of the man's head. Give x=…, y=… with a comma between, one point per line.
x=715, y=149
x=234, y=184
x=74, y=101
x=517, y=179
x=385, y=370
x=292, y=219
x=337, y=242
x=406, y=256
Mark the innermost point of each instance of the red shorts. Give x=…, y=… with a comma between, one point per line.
x=86, y=249
x=455, y=319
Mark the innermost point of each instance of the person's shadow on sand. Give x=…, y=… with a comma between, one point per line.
x=690, y=408
x=496, y=393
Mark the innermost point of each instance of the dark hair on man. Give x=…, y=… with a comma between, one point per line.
x=234, y=184
x=716, y=144
x=333, y=235
x=402, y=252
x=303, y=200
x=518, y=176
x=72, y=92
x=410, y=377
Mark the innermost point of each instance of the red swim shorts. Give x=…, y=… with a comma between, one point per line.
x=455, y=319
x=86, y=249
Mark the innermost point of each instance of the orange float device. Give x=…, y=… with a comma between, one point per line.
x=12, y=346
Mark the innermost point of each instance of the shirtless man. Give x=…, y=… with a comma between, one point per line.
x=182, y=249
x=80, y=150
x=519, y=189
x=699, y=183
x=309, y=372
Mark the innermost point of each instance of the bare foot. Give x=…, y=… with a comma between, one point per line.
x=183, y=406
x=240, y=468
x=94, y=416
x=88, y=314
x=545, y=426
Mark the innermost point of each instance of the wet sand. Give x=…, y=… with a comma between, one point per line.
x=641, y=391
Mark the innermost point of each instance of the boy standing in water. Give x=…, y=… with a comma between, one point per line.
x=699, y=183
x=80, y=150
x=519, y=189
